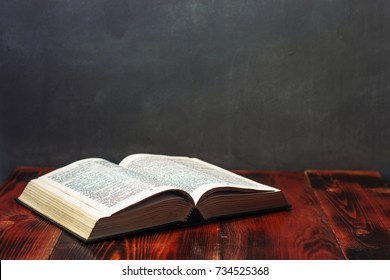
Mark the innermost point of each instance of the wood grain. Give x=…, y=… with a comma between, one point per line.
x=334, y=215
x=23, y=234
x=200, y=242
x=357, y=205
x=299, y=233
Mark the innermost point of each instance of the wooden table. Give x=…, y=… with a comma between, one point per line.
x=334, y=215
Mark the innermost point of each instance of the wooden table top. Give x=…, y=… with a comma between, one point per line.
x=334, y=215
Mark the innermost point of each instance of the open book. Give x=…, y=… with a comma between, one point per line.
x=95, y=199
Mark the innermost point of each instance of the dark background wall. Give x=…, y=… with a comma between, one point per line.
x=244, y=84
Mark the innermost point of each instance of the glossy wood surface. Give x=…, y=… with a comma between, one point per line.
x=357, y=206
x=334, y=215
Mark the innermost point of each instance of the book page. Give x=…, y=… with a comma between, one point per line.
x=189, y=174
x=103, y=185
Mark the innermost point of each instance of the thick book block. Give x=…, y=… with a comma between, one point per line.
x=95, y=199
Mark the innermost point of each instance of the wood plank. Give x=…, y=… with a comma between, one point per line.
x=201, y=242
x=357, y=205
x=23, y=234
x=299, y=233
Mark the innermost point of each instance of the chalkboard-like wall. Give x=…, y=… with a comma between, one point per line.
x=258, y=84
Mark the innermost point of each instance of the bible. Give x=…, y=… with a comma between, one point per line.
x=95, y=199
